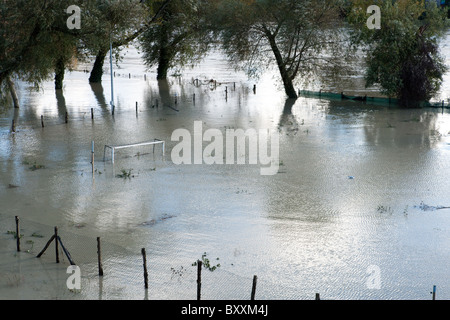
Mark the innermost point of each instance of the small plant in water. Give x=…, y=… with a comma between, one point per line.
x=125, y=174
x=177, y=272
x=13, y=233
x=207, y=263
x=34, y=166
x=382, y=209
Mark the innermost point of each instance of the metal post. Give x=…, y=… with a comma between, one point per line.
x=112, y=75
x=92, y=156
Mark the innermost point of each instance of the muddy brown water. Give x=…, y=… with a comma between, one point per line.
x=348, y=198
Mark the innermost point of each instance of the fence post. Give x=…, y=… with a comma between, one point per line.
x=199, y=279
x=17, y=233
x=92, y=156
x=255, y=278
x=99, y=256
x=56, y=245
x=144, y=257
x=13, y=126
x=434, y=293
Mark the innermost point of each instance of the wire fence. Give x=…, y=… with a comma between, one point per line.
x=123, y=270
x=167, y=277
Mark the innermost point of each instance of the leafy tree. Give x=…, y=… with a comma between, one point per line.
x=34, y=40
x=115, y=21
x=303, y=37
x=403, y=56
x=179, y=37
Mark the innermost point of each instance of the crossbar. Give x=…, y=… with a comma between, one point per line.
x=113, y=148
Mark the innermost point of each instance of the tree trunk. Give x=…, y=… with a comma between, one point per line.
x=163, y=63
x=288, y=85
x=287, y=80
x=164, y=50
x=59, y=74
x=97, y=70
x=12, y=90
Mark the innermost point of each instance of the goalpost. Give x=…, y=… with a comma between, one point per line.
x=114, y=148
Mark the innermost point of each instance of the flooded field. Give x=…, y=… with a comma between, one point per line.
x=358, y=209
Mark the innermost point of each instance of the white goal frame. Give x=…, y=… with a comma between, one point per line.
x=114, y=148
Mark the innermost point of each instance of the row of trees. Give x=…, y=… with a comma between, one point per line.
x=301, y=38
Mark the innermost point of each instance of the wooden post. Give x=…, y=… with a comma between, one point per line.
x=13, y=126
x=226, y=93
x=176, y=99
x=144, y=257
x=255, y=278
x=46, y=246
x=199, y=279
x=145, y=77
x=56, y=245
x=42, y=121
x=137, y=108
x=129, y=76
x=254, y=88
x=317, y=296
x=99, y=256
x=193, y=98
x=92, y=113
x=65, y=251
x=434, y=293
x=17, y=233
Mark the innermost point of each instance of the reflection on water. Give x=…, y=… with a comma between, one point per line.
x=316, y=226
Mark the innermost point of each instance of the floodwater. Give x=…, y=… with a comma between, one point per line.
x=356, y=211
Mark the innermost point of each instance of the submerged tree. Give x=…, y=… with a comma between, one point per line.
x=303, y=37
x=111, y=23
x=402, y=56
x=34, y=41
x=179, y=37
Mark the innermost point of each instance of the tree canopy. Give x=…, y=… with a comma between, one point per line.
x=180, y=36
x=302, y=37
x=402, y=56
